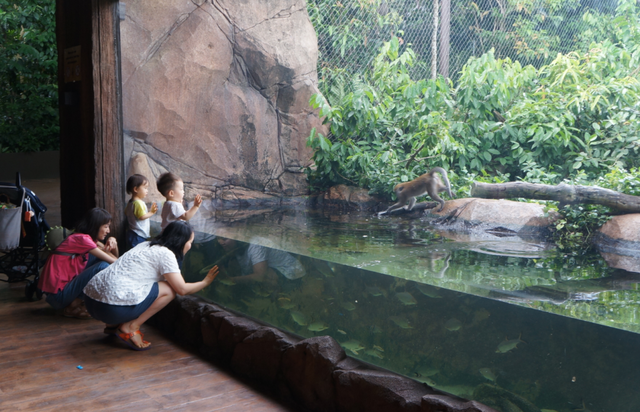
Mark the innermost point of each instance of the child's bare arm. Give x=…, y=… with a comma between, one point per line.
x=154, y=209
x=196, y=205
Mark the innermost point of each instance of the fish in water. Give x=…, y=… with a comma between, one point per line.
x=424, y=379
x=406, y=298
x=286, y=303
x=402, y=322
x=261, y=292
x=487, y=373
x=426, y=372
x=378, y=348
x=341, y=331
x=374, y=291
x=353, y=345
x=507, y=345
x=428, y=290
x=348, y=306
x=318, y=326
x=299, y=318
x=227, y=281
x=375, y=329
x=453, y=325
x=480, y=315
x=374, y=353
x=206, y=269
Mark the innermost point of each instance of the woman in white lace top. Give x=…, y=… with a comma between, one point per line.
x=141, y=282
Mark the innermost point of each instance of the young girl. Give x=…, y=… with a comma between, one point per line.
x=68, y=269
x=143, y=281
x=136, y=210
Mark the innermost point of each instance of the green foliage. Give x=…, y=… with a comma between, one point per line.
x=574, y=118
x=384, y=129
x=621, y=181
x=577, y=224
x=28, y=76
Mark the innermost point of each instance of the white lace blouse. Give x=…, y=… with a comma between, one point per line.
x=129, y=279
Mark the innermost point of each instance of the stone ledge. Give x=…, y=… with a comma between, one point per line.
x=314, y=373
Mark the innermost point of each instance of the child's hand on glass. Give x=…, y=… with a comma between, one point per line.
x=197, y=201
x=154, y=208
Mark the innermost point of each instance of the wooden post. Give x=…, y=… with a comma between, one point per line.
x=91, y=158
x=107, y=90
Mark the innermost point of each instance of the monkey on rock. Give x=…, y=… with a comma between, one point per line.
x=428, y=183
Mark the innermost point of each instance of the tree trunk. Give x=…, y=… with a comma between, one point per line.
x=563, y=193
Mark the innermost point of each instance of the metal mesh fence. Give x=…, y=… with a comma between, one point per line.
x=351, y=32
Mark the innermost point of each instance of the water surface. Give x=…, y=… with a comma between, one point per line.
x=501, y=320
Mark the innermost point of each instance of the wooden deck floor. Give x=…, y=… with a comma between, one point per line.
x=40, y=353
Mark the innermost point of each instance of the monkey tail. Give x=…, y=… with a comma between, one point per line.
x=445, y=178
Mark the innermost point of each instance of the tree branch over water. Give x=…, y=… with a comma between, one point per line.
x=563, y=193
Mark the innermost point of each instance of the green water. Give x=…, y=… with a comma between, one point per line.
x=474, y=316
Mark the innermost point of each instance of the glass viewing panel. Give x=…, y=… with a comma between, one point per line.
x=457, y=315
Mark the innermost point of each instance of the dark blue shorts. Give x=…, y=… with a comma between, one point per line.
x=116, y=314
x=133, y=239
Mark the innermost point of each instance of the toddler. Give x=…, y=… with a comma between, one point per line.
x=172, y=188
x=136, y=210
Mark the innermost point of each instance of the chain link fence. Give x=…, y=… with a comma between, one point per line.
x=444, y=34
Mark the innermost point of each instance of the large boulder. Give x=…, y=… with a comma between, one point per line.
x=618, y=241
x=218, y=93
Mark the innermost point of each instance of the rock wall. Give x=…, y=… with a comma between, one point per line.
x=218, y=91
x=315, y=373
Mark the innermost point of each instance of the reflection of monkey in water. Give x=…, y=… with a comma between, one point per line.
x=427, y=183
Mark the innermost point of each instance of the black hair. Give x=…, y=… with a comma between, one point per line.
x=91, y=222
x=135, y=181
x=166, y=181
x=174, y=237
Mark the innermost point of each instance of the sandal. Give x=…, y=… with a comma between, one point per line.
x=77, y=312
x=127, y=338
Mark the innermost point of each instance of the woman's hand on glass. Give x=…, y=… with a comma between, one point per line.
x=211, y=275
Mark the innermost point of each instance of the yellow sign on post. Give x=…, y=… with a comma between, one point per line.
x=72, y=64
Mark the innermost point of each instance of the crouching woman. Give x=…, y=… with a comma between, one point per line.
x=76, y=260
x=142, y=282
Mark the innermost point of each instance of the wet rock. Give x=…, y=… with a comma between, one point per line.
x=190, y=313
x=623, y=227
x=506, y=214
x=259, y=356
x=234, y=330
x=349, y=197
x=218, y=93
x=372, y=391
x=165, y=320
x=209, y=329
x=315, y=373
x=618, y=241
x=307, y=369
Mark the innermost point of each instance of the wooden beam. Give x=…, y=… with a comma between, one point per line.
x=107, y=124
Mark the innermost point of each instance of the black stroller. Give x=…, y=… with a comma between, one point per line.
x=22, y=235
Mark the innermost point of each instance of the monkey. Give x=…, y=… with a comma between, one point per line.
x=427, y=183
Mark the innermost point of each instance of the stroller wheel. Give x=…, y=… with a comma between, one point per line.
x=29, y=289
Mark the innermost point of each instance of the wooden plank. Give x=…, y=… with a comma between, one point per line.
x=109, y=163
x=42, y=350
